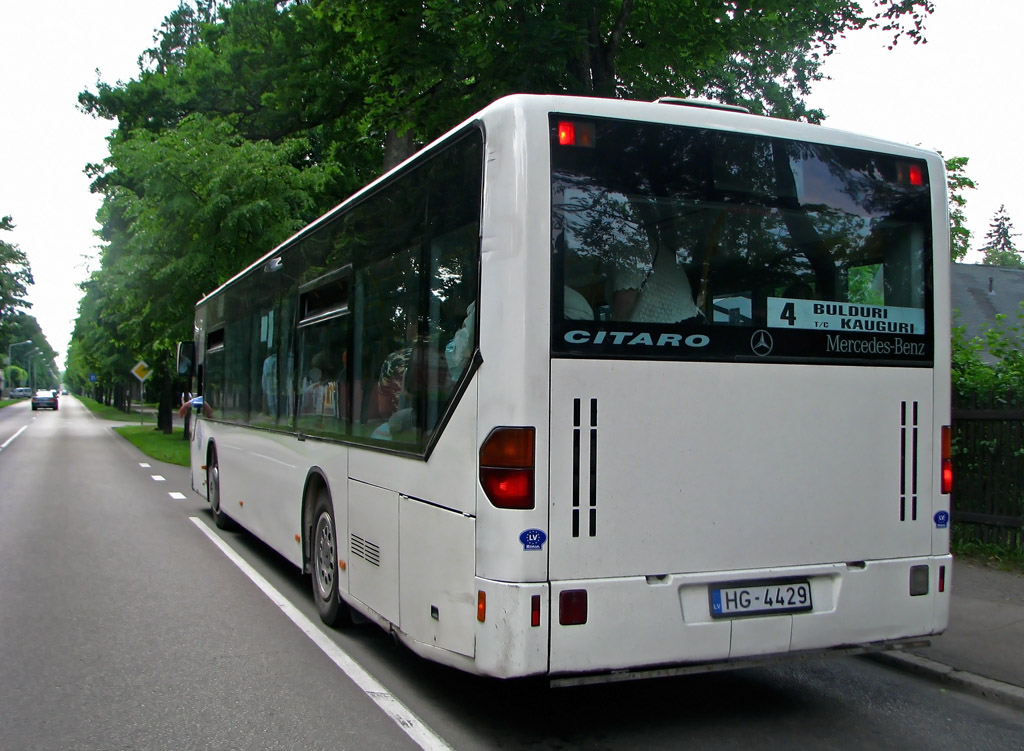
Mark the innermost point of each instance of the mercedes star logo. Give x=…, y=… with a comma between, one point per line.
x=761, y=342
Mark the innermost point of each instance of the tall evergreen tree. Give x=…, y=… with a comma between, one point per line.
x=999, y=249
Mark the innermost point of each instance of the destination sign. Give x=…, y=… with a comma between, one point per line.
x=844, y=317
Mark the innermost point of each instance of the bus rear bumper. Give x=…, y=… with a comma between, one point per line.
x=669, y=671
x=666, y=621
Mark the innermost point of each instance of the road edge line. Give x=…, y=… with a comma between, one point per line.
x=402, y=716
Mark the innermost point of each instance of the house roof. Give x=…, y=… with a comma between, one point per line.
x=980, y=293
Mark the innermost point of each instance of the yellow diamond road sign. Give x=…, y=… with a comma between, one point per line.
x=141, y=371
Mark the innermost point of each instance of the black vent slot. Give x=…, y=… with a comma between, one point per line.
x=368, y=551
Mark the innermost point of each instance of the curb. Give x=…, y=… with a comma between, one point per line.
x=989, y=688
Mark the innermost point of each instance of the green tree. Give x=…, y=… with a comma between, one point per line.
x=957, y=182
x=427, y=65
x=401, y=71
x=15, y=279
x=999, y=249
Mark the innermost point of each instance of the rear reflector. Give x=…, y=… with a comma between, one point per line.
x=572, y=607
x=942, y=578
x=506, y=467
x=918, y=580
x=481, y=606
x=535, y=611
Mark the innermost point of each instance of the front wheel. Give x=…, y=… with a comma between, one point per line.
x=222, y=520
x=324, y=552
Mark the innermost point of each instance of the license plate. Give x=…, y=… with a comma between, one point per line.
x=761, y=598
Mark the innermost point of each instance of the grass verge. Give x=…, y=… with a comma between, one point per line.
x=156, y=444
x=987, y=554
x=113, y=413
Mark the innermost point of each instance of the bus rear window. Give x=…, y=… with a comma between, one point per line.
x=684, y=243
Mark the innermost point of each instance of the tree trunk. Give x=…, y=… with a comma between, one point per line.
x=397, y=148
x=163, y=411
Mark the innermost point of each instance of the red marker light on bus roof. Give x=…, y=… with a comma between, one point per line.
x=566, y=133
x=909, y=174
x=572, y=133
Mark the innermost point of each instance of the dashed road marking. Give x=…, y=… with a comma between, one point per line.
x=177, y=496
x=10, y=440
x=158, y=478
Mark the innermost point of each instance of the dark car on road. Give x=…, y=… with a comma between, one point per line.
x=44, y=398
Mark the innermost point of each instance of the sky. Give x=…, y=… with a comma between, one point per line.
x=957, y=94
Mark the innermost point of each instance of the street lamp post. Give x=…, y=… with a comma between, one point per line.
x=9, y=363
x=32, y=368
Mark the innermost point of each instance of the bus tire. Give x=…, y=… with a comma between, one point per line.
x=222, y=520
x=323, y=551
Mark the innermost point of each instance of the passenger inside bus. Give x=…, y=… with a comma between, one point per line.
x=575, y=306
x=658, y=294
x=460, y=348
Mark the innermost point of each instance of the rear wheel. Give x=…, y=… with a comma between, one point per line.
x=324, y=554
x=222, y=520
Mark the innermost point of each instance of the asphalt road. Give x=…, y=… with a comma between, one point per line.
x=127, y=621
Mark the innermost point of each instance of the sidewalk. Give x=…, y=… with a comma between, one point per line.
x=982, y=650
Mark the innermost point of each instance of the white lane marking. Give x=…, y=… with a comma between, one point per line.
x=177, y=496
x=422, y=735
x=10, y=440
x=158, y=478
x=144, y=465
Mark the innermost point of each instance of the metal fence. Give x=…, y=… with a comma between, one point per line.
x=988, y=468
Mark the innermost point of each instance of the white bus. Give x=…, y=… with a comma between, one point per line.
x=594, y=389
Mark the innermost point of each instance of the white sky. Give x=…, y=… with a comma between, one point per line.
x=958, y=94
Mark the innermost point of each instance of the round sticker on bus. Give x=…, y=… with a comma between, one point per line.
x=533, y=539
x=941, y=519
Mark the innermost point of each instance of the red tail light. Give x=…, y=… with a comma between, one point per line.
x=507, y=467
x=947, y=461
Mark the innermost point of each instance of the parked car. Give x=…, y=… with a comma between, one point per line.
x=22, y=392
x=44, y=398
